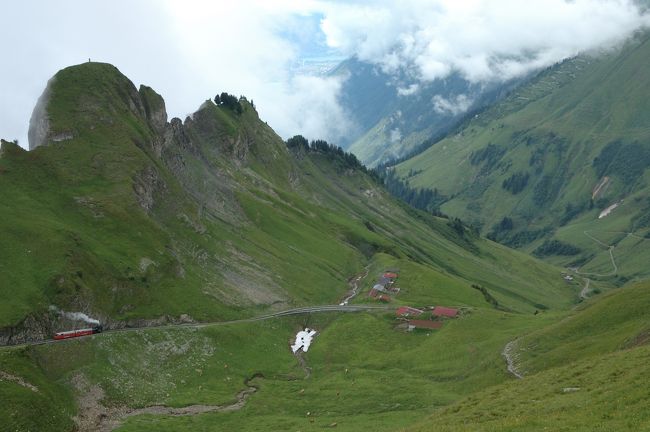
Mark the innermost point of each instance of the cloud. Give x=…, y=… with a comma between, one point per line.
x=408, y=90
x=395, y=135
x=191, y=50
x=186, y=50
x=484, y=40
x=308, y=105
x=454, y=106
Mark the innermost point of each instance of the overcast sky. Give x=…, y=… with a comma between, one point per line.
x=190, y=50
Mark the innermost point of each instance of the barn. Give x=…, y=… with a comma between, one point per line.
x=406, y=311
x=446, y=312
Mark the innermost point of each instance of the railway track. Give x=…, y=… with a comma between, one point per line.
x=288, y=312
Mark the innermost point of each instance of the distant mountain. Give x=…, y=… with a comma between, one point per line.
x=560, y=167
x=393, y=115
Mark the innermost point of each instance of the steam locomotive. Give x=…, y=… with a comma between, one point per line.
x=77, y=333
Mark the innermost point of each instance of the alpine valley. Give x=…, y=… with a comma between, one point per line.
x=204, y=245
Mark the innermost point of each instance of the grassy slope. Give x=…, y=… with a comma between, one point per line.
x=228, y=232
x=611, y=322
x=368, y=376
x=238, y=216
x=610, y=397
x=563, y=119
x=393, y=378
x=601, y=349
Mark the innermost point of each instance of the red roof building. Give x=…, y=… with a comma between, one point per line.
x=445, y=312
x=373, y=293
x=425, y=324
x=406, y=311
x=384, y=298
x=390, y=275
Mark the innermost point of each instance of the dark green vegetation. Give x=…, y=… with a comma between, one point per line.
x=555, y=247
x=535, y=170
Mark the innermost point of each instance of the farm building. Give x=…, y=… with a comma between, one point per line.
x=373, y=293
x=379, y=287
x=384, y=281
x=406, y=311
x=425, y=324
x=390, y=275
x=441, y=311
x=384, y=298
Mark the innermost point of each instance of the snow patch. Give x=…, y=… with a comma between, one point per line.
x=303, y=340
x=607, y=211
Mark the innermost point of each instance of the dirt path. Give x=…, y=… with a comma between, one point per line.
x=610, y=249
x=354, y=286
x=511, y=358
x=95, y=417
x=4, y=376
x=303, y=363
x=585, y=289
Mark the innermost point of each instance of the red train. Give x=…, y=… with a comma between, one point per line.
x=77, y=333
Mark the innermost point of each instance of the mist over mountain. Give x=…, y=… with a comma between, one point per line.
x=558, y=168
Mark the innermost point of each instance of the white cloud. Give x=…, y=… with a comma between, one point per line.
x=454, y=106
x=482, y=39
x=186, y=50
x=190, y=50
x=395, y=135
x=408, y=90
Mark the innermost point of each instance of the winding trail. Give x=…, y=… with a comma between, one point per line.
x=242, y=396
x=303, y=363
x=585, y=289
x=4, y=376
x=354, y=285
x=610, y=249
x=95, y=417
x=511, y=357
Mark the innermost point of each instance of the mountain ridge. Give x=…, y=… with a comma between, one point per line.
x=542, y=164
x=214, y=212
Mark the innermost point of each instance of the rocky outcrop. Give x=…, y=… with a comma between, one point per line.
x=146, y=184
x=39, y=123
x=154, y=108
x=33, y=328
x=41, y=327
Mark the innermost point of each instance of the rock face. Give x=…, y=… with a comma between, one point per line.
x=154, y=107
x=146, y=185
x=39, y=123
x=33, y=328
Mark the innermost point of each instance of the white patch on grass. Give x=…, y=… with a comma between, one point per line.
x=303, y=340
x=607, y=211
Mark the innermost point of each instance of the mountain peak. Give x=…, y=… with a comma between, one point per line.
x=83, y=97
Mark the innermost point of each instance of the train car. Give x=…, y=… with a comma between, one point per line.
x=77, y=333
